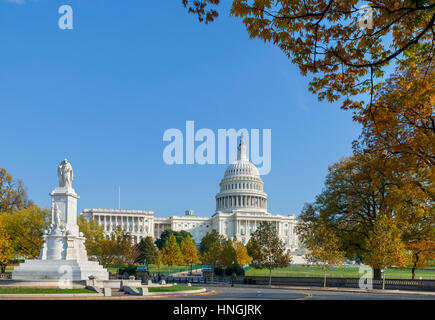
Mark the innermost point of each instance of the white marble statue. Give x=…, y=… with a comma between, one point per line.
x=63, y=245
x=65, y=174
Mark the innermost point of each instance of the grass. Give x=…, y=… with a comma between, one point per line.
x=9, y=269
x=16, y=290
x=177, y=287
x=154, y=269
x=338, y=272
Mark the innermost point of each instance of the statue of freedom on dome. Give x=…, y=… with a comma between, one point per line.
x=65, y=174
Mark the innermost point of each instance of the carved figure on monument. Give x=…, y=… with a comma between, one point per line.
x=56, y=216
x=65, y=174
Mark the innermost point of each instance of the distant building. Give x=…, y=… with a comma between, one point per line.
x=241, y=205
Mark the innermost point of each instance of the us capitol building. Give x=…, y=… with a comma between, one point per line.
x=241, y=205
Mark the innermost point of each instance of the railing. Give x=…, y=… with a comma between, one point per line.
x=5, y=275
x=393, y=284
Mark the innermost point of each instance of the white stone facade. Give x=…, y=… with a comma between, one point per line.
x=138, y=223
x=241, y=205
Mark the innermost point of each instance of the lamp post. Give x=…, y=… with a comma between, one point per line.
x=232, y=275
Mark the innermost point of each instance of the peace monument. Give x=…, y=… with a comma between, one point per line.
x=63, y=254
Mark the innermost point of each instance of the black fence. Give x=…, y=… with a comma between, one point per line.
x=390, y=284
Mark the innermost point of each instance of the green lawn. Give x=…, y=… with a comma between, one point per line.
x=338, y=272
x=155, y=269
x=177, y=287
x=9, y=269
x=5, y=290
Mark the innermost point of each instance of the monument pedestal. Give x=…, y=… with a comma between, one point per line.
x=63, y=255
x=73, y=270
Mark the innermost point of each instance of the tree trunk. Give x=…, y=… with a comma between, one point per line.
x=270, y=277
x=377, y=275
x=324, y=277
x=383, y=279
x=414, y=266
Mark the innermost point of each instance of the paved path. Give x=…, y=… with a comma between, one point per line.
x=255, y=293
x=258, y=293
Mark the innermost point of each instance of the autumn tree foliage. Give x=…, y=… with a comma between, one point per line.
x=25, y=228
x=422, y=253
x=325, y=38
x=189, y=252
x=94, y=234
x=242, y=255
x=267, y=249
x=6, y=250
x=401, y=122
x=171, y=253
x=118, y=250
x=384, y=245
x=323, y=245
x=360, y=188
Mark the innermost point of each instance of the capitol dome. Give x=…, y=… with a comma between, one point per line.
x=241, y=187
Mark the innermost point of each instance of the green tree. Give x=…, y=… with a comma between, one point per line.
x=147, y=251
x=171, y=253
x=120, y=248
x=384, y=245
x=211, y=249
x=189, y=251
x=106, y=252
x=12, y=194
x=266, y=249
x=228, y=255
x=94, y=234
x=179, y=236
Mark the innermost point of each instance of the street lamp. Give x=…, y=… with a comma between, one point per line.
x=232, y=275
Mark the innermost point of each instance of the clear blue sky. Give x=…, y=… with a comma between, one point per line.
x=102, y=95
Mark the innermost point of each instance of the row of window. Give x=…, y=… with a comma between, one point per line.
x=242, y=185
x=180, y=225
x=131, y=229
x=104, y=218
